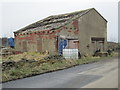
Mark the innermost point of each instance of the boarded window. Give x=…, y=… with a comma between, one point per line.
x=98, y=43
x=24, y=46
x=39, y=45
x=73, y=44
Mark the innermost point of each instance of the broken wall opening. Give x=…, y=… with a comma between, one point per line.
x=98, y=43
x=73, y=44
x=68, y=48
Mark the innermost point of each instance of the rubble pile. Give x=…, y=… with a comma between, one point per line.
x=6, y=65
x=54, y=57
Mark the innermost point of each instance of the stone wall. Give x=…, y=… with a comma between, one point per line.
x=83, y=29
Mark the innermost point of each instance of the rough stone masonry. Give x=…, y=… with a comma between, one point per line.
x=84, y=30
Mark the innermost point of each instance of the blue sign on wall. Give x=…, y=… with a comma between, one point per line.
x=62, y=45
x=11, y=42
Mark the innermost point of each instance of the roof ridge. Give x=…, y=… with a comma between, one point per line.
x=72, y=12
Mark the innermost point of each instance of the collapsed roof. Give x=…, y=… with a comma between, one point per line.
x=54, y=22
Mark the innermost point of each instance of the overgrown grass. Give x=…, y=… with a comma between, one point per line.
x=25, y=55
x=35, y=68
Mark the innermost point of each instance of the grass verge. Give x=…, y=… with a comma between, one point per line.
x=36, y=68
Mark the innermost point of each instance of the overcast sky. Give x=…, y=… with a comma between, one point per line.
x=16, y=15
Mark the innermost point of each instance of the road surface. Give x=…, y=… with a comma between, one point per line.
x=102, y=74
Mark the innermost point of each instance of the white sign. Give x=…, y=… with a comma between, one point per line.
x=70, y=53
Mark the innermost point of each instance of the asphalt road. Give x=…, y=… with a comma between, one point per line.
x=102, y=74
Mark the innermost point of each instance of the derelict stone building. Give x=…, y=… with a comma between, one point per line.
x=84, y=30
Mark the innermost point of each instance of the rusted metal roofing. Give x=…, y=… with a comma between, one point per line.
x=54, y=22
